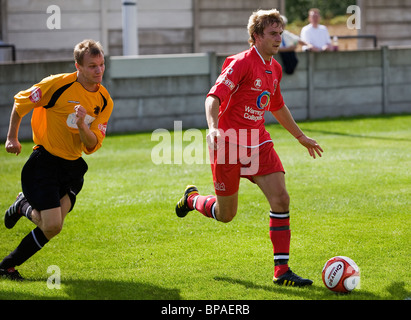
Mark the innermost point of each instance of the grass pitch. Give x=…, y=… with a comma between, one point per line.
x=123, y=240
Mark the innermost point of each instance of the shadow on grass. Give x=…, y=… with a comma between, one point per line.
x=129, y=290
x=92, y=290
x=314, y=292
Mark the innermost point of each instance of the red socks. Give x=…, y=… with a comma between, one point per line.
x=280, y=237
x=203, y=204
x=280, y=233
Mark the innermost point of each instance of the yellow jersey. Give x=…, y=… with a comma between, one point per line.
x=54, y=121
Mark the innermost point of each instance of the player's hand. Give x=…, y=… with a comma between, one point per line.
x=13, y=146
x=213, y=137
x=80, y=114
x=312, y=146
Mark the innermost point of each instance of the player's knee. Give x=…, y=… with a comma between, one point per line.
x=226, y=208
x=52, y=230
x=280, y=201
x=226, y=216
x=225, y=219
x=284, y=198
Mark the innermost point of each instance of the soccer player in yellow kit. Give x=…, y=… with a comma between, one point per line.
x=70, y=115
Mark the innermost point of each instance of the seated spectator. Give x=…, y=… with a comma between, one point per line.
x=315, y=34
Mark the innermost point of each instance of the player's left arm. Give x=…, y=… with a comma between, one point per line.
x=285, y=118
x=99, y=127
x=87, y=136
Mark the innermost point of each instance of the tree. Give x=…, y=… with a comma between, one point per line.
x=298, y=9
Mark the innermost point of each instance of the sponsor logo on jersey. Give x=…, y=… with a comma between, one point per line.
x=103, y=128
x=35, y=95
x=252, y=114
x=71, y=120
x=229, y=83
x=263, y=100
x=223, y=78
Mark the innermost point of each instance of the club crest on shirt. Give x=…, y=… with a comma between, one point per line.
x=257, y=85
x=97, y=110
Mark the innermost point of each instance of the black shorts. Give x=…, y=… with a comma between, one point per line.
x=46, y=179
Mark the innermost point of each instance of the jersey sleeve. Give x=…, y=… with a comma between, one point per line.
x=33, y=97
x=99, y=125
x=231, y=75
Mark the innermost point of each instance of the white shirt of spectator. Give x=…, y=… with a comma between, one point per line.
x=318, y=37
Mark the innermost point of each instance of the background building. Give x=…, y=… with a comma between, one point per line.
x=166, y=26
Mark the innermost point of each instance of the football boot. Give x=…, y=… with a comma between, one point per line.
x=11, y=274
x=182, y=207
x=291, y=279
x=13, y=212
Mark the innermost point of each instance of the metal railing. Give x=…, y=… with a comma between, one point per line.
x=361, y=36
x=13, y=50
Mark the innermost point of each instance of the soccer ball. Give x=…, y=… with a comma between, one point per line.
x=341, y=274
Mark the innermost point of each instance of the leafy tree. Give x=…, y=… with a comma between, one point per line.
x=298, y=9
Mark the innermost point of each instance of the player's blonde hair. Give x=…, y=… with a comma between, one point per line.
x=259, y=20
x=87, y=46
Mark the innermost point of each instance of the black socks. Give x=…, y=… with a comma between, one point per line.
x=30, y=244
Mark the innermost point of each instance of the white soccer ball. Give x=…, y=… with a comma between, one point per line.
x=341, y=274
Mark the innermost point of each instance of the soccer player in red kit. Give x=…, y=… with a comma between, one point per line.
x=239, y=144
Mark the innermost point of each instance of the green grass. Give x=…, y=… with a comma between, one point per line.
x=123, y=240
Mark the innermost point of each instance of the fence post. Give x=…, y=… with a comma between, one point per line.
x=212, y=61
x=310, y=85
x=129, y=27
x=385, y=57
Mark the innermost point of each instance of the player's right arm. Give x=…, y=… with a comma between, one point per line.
x=24, y=102
x=12, y=143
x=212, y=105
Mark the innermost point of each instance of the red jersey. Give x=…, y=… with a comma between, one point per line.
x=247, y=87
